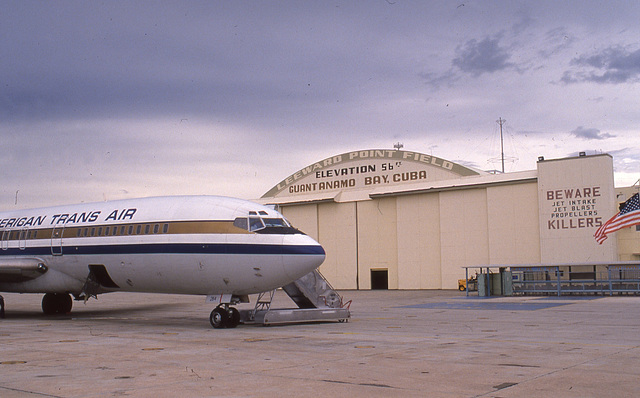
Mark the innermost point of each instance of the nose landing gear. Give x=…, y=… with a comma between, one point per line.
x=224, y=316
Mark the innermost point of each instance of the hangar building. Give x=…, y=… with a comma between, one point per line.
x=406, y=220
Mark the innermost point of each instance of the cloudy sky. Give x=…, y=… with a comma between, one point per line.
x=115, y=99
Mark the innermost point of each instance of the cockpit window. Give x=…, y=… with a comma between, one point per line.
x=255, y=224
x=265, y=225
x=275, y=222
x=241, y=222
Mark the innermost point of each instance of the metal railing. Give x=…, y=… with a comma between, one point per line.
x=558, y=280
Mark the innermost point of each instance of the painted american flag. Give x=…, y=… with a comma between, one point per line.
x=628, y=216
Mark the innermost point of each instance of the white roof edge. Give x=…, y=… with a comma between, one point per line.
x=547, y=265
x=300, y=199
x=464, y=182
x=367, y=194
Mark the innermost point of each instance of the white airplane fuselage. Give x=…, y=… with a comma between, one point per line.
x=202, y=245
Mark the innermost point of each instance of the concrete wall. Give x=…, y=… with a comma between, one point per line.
x=419, y=257
x=512, y=211
x=463, y=232
x=339, y=237
x=423, y=239
x=377, y=240
x=576, y=196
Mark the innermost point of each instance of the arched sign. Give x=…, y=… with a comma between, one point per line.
x=368, y=169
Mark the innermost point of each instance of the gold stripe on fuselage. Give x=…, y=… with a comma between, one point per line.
x=157, y=228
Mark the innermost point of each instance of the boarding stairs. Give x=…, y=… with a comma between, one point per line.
x=316, y=299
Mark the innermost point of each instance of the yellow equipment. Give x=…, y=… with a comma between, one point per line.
x=473, y=284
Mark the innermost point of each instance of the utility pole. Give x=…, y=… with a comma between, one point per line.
x=501, y=121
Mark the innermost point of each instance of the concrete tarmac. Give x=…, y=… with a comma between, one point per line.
x=397, y=344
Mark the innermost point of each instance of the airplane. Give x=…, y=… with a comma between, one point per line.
x=220, y=247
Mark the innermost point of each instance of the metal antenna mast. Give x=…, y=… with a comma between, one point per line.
x=501, y=121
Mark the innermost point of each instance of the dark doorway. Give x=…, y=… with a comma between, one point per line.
x=379, y=279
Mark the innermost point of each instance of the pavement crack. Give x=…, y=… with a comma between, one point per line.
x=518, y=365
x=39, y=394
x=360, y=384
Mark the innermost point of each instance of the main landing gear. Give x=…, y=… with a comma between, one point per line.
x=56, y=303
x=224, y=316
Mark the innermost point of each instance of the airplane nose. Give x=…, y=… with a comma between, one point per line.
x=302, y=255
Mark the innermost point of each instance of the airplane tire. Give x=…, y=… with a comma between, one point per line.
x=219, y=318
x=234, y=318
x=56, y=303
x=65, y=303
x=49, y=304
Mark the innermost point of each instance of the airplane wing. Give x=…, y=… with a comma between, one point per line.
x=21, y=269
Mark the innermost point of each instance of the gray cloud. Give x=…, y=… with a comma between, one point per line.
x=627, y=160
x=556, y=41
x=129, y=60
x=590, y=134
x=613, y=65
x=478, y=57
x=436, y=80
x=92, y=95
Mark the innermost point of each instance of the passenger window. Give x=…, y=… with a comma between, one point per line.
x=165, y=228
x=107, y=230
x=130, y=229
x=147, y=228
x=156, y=229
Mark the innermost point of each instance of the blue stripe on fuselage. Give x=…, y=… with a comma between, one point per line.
x=172, y=248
